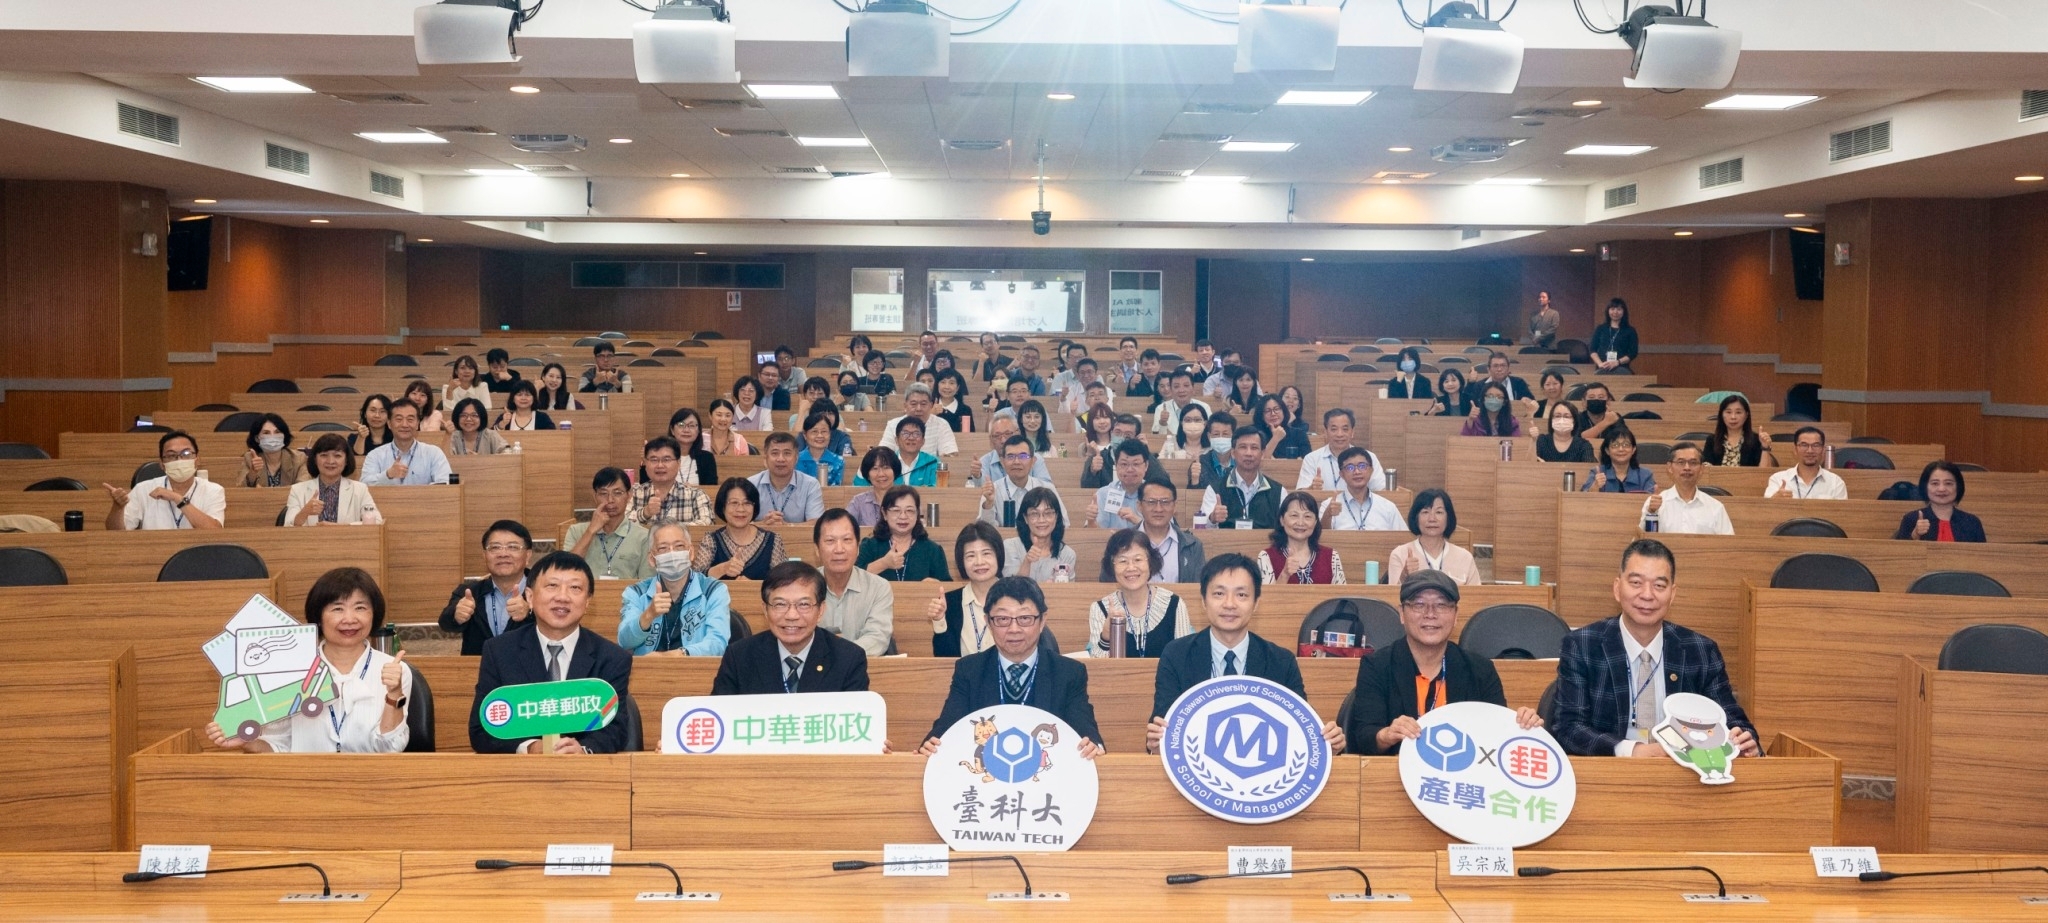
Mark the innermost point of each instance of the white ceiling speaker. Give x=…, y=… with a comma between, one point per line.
x=898, y=38
x=465, y=32
x=1676, y=52
x=1277, y=36
x=1465, y=52
x=687, y=41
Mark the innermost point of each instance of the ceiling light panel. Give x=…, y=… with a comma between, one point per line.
x=792, y=91
x=254, y=84
x=1510, y=181
x=401, y=137
x=1259, y=147
x=1760, y=101
x=1323, y=97
x=1611, y=150
x=818, y=141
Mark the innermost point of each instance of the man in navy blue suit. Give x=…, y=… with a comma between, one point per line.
x=792, y=655
x=552, y=645
x=1614, y=674
x=1016, y=671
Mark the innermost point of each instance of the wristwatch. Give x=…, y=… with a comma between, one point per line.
x=397, y=702
x=184, y=501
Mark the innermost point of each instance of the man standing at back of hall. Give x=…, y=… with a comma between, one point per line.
x=1614, y=675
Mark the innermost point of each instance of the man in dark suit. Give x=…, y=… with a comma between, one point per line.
x=1391, y=691
x=1230, y=595
x=1497, y=373
x=792, y=655
x=555, y=647
x=1017, y=671
x=1614, y=674
x=484, y=609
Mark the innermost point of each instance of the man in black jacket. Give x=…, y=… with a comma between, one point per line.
x=792, y=655
x=1405, y=680
x=1017, y=671
x=1230, y=594
x=483, y=609
x=554, y=648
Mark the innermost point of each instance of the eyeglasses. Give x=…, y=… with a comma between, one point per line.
x=180, y=456
x=1018, y=457
x=1042, y=513
x=1358, y=468
x=1430, y=608
x=800, y=607
x=1686, y=463
x=1157, y=503
x=1005, y=621
x=504, y=547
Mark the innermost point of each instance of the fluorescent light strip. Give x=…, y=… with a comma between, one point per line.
x=497, y=171
x=792, y=91
x=1323, y=97
x=1760, y=101
x=1216, y=179
x=1611, y=150
x=814, y=141
x=253, y=84
x=401, y=137
x=1259, y=147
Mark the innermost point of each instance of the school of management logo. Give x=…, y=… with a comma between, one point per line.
x=1245, y=749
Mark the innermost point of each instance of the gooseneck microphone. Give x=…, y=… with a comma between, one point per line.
x=140, y=877
x=1887, y=876
x=1540, y=871
x=496, y=864
x=1188, y=878
x=854, y=865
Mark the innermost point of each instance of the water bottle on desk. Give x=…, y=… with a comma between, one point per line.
x=1650, y=521
x=1118, y=631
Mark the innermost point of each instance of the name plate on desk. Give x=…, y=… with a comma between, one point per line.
x=1844, y=861
x=812, y=723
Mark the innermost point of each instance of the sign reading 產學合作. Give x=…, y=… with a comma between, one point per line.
x=821, y=722
x=1010, y=778
x=1481, y=778
x=1245, y=749
x=573, y=706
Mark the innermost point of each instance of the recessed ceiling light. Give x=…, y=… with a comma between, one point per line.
x=817, y=141
x=792, y=91
x=622, y=141
x=319, y=221
x=679, y=176
x=426, y=240
x=1323, y=97
x=1400, y=150
x=1585, y=103
x=497, y=171
x=401, y=137
x=1060, y=97
x=1681, y=233
x=1390, y=182
x=1759, y=101
x=701, y=253
x=1308, y=259
x=523, y=88
x=1795, y=214
x=1215, y=179
x=1611, y=150
x=2029, y=178
x=254, y=84
x=1510, y=181
x=1807, y=230
x=1578, y=250
x=1259, y=147
x=204, y=201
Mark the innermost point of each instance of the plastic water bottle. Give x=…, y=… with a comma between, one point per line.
x=1507, y=450
x=518, y=448
x=945, y=478
x=863, y=425
x=1650, y=521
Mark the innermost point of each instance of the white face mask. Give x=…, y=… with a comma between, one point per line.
x=269, y=443
x=1220, y=444
x=1562, y=427
x=181, y=470
x=672, y=565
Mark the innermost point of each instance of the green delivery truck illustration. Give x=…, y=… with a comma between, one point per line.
x=271, y=669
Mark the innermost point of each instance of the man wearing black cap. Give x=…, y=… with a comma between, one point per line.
x=1403, y=681
x=1230, y=594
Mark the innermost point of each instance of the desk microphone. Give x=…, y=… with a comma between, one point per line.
x=1188, y=878
x=496, y=864
x=854, y=865
x=141, y=877
x=1887, y=876
x=1540, y=871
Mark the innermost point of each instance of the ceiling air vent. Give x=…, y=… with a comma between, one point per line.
x=2033, y=104
x=554, y=168
x=455, y=129
x=1473, y=150
x=1193, y=137
x=538, y=227
x=1721, y=174
x=379, y=99
x=727, y=105
x=796, y=171
x=279, y=157
x=1856, y=142
x=382, y=184
x=1223, y=108
x=1557, y=112
x=752, y=132
x=1621, y=196
x=977, y=145
x=143, y=123
x=549, y=144
x=1165, y=174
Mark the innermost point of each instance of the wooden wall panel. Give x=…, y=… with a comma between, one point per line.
x=1569, y=280
x=1845, y=323
x=142, y=282
x=543, y=300
x=63, y=256
x=444, y=288
x=1461, y=301
x=251, y=289
x=1660, y=280
x=1929, y=266
x=343, y=282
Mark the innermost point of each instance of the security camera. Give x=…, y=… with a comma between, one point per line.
x=1041, y=222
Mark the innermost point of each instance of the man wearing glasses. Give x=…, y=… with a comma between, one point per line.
x=1116, y=504
x=1683, y=507
x=1407, y=679
x=178, y=500
x=792, y=655
x=484, y=609
x=1356, y=507
x=1017, y=671
x=1000, y=497
x=1180, y=552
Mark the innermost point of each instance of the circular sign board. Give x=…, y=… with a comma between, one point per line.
x=1010, y=779
x=1245, y=749
x=1479, y=777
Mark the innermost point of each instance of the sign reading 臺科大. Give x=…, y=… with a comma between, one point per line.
x=1245, y=749
x=815, y=722
x=1480, y=777
x=574, y=706
x=1010, y=778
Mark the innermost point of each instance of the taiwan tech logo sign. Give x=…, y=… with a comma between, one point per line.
x=1245, y=749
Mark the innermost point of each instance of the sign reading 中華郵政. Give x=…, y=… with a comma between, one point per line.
x=573, y=706
x=1480, y=777
x=1010, y=778
x=1245, y=749
x=820, y=722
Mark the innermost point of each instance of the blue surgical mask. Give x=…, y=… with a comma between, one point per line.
x=1407, y=365
x=1220, y=445
x=1494, y=404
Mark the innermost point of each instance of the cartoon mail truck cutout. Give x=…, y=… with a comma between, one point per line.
x=249, y=702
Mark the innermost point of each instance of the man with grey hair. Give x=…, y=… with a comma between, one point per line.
x=938, y=434
x=1001, y=426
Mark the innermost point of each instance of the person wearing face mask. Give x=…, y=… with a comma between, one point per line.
x=1559, y=441
x=1191, y=439
x=181, y=499
x=1601, y=416
x=1407, y=383
x=1493, y=416
x=1212, y=466
x=268, y=463
x=678, y=612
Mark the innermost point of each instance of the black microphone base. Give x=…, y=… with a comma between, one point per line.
x=1360, y=897
x=1039, y=896
x=672, y=897
x=1724, y=899
x=315, y=897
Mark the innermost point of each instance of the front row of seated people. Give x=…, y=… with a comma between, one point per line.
x=1612, y=679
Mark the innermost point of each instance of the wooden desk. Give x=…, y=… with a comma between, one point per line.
x=1967, y=749
x=69, y=727
x=1852, y=643
x=296, y=557
x=87, y=886
x=1790, y=800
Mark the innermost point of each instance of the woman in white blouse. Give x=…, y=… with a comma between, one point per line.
x=466, y=384
x=370, y=690
x=1432, y=519
x=1152, y=615
x=959, y=617
x=331, y=497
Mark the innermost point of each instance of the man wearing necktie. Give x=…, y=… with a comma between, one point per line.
x=792, y=655
x=1614, y=675
x=550, y=647
x=1018, y=670
x=1230, y=596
